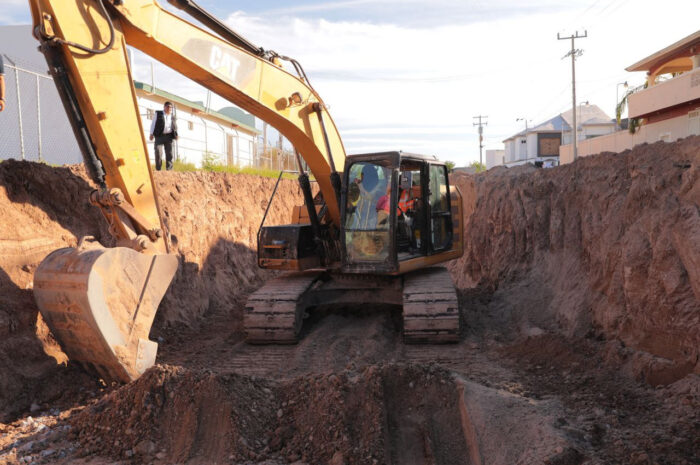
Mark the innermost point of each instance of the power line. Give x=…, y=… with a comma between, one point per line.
x=481, y=134
x=600, y=12
x=574, y=53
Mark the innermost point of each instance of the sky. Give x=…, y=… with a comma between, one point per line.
x=411, y=75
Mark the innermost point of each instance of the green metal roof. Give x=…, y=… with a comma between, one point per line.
x=230, y=116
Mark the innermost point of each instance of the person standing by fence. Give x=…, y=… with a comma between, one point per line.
x=164, y=130
x=2, y=85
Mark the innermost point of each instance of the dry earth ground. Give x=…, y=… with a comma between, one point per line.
x=580, y=293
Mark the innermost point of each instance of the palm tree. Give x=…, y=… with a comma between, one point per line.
x=634, y=123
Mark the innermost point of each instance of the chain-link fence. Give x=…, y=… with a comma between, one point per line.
x=274, y=158
x=34, y=125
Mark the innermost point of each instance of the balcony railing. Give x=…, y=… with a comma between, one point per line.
x=667, y=94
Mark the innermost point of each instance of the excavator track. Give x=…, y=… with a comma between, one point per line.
x=430, y=308
x=274, y=313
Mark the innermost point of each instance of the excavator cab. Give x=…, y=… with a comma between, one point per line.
x=396, y=210
x=399, y=217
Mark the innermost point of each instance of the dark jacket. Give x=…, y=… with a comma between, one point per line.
x=160, y=124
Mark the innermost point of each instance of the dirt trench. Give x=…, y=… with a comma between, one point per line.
x=607, y=245
x=579, y=289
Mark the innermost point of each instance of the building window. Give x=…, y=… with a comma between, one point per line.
x=190, y=125
x=150, y=113
x=523, y=141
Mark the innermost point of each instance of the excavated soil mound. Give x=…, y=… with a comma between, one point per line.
x=394, y=414
x=607, y=245
x=213, y=218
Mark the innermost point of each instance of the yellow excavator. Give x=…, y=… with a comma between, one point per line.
x=371, y=233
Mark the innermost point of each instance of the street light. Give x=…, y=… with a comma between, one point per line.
x=617, y=100
x=523, y=119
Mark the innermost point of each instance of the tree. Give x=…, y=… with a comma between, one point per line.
x=450, y=165
x=479, y=167
x=633, y=123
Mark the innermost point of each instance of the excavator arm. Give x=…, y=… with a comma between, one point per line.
x=100, y=302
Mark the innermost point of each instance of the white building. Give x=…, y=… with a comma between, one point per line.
x=540, y=144
x=666, y=109
x=495, y=158
x=227, y=136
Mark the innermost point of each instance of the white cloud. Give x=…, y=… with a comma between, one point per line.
x=383, y=76
x=384, y=81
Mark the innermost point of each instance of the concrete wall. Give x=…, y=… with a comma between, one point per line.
x=668, y=130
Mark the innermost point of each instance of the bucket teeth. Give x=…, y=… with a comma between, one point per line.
x=100, y=303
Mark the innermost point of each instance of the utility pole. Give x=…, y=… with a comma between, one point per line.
x=481, y=134
x=574, y=53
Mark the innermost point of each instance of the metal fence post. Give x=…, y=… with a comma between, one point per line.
x=19, y=113
x=38, y=114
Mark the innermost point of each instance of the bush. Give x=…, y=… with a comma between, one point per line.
x=212, y=162
x=182, y=166
x=479, y=167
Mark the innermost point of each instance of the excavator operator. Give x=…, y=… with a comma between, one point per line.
x=383, y=204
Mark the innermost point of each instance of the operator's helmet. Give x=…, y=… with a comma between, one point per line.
x=369, y=177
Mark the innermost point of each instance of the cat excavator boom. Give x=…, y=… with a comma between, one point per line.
x=100, y=301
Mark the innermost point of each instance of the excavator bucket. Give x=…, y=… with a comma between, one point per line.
x=100, y=303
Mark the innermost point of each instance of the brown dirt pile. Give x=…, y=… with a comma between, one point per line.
x=41, y=209
x=608, y=244
x=618, y=421
x=214, y=219
x=391, y=414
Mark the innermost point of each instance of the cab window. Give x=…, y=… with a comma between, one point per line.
x=410, y=211
x=367, y=212
x=440, y=217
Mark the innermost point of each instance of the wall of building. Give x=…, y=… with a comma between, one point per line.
x=664, y=95
x=523, y=149
x=531, y=147
x=507, y=149
x=495, y=158
x=668, y=130
x=520, y=148
x=595, y=130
